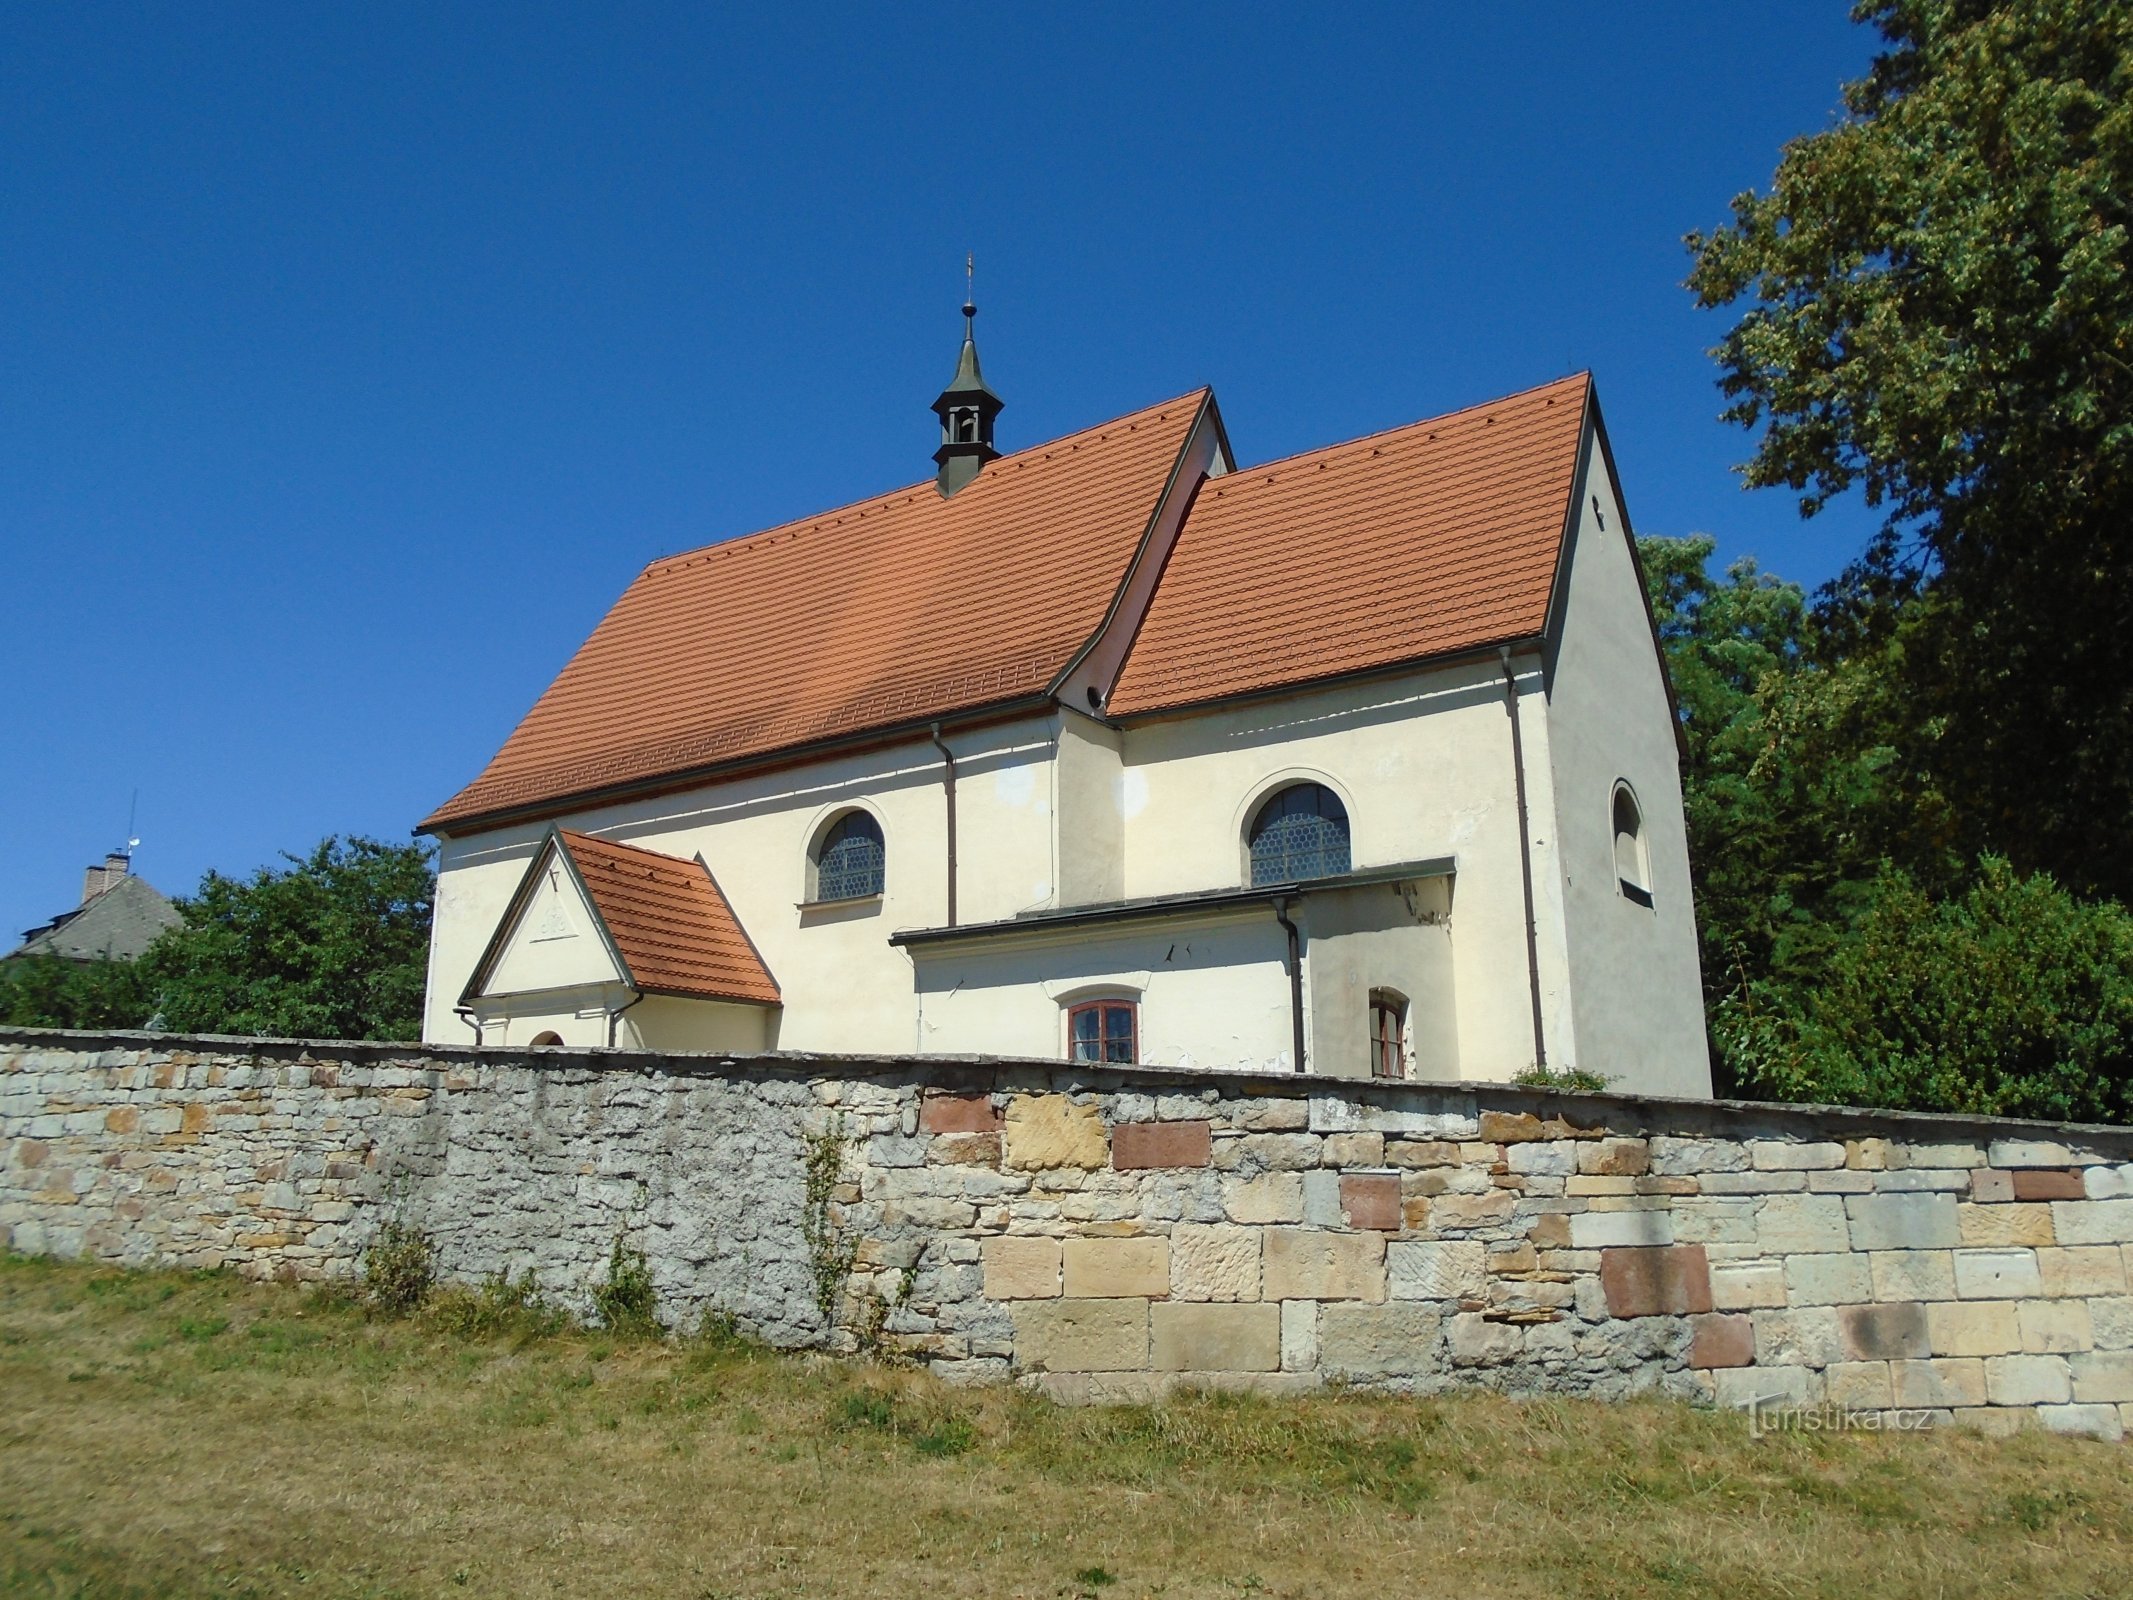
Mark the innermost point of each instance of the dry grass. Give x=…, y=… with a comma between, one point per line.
x=172, y=1435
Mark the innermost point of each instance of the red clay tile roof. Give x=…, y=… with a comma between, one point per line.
x=1420, y=542
x=670, y=921
x=899, y=608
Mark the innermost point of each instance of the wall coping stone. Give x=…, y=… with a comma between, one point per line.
x=1621, y=1114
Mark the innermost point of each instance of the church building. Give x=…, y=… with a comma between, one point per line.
x=1359, y=763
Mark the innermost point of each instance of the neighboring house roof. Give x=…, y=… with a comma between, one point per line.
x=117, y=924
x=666, y=920
x=1425, y=541
x=895, y=610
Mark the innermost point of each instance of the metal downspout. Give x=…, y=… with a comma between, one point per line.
x=948, y=788
x=1296, y=979
x=1525, y=858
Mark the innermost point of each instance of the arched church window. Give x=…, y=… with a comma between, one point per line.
x=1632, y=863
x=546, y=1037
x=852, y=860
x=1302, y=832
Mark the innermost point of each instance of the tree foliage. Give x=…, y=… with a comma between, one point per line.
x=1939, y=313
x=335, y=946
x=48, y=991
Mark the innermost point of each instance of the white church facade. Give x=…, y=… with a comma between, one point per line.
x=1360, y=763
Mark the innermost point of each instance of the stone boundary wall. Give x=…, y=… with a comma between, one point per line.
x=1106, y=1234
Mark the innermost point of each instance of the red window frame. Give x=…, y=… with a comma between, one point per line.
x=1388, y=1037
x=1114, y=1032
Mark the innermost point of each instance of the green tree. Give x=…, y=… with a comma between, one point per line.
x=1939, y=313
x=47, y=991
x=333, y=947
x=2011, y=998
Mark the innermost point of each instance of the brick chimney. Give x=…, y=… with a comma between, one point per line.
x=97, y=879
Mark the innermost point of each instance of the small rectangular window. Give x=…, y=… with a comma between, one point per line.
x=1104, y=1030
x=1388, y=1043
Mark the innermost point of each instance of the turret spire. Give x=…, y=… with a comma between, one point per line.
x=967, y=406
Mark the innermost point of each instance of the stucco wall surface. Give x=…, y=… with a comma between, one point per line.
x=1106, y=1235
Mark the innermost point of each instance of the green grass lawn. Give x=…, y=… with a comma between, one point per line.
x=166, y=1434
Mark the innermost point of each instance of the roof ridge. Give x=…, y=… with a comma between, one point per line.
x=1407, y=427
x=811, y=522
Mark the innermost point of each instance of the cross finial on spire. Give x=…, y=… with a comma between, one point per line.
x=970, y=289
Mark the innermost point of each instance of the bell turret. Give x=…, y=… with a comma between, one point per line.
x=966, y=409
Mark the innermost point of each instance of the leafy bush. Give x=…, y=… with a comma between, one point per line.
x=399, y=1269
x=2009, y=998
x=626, y=1302
x=1539, y=1077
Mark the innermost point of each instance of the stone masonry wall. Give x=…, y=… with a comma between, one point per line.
x=1105, y=1234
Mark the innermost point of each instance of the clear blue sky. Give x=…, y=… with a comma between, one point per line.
x=353, y=359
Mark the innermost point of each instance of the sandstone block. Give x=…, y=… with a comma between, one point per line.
x=1719, y=1340
x=1216, y=1338
x=1455, y=1213
x=1046, y=1131
x=1115, y=1269
x=1353, y=1150
x=1370, y=1200
x=1139, y=1145
x=959, y=1113
x=1600, y=1230
x=1991, y=1186
x=1552, y=1159
x=1997, y=1275
x=2083, y=1270
x=2028, y=1380
x=1375, y=1341
x=1213, y=1261
x=1418, y=1152
x=1550, y=1231
x=1316, y=1264
x=1650, y=1282
x=2054, y=1327
x=1973, y=1328
x=1081, y=1335
x=2111, y=1319
x=2028, y=1153
x=1579, y=1183
x=966, y=1150
x=1760, y=1388
x=1859, y=1385
x=1784, y=1155
x=2047, y=1183
x=1510, y=1127
x=1270, y=1115
x=2093, y=1221
x=1883, y=1332
x=1943, y=1155
x=2103, y=1376
x=1299, y=1335
x=2108, y=1183
x=121, y=1119
x=1746, y=1285
x=1477, y=1342
x=1828, y=1280
x=1802, y=1224
x=1804, y=1336
x=1868, y=1155
x=1902, y=1221
x=2094, y=1422
x=1696, y=1157
x=1615, y=1158
x=1270, y=1152
x=1913, y=1274
x=2004, y=1224
x=1932, y=1385
x=1273, y=1197
x=1452, y=1269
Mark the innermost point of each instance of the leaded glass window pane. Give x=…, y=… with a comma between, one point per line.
x=1103, y=1030
x=1301, y=833
x=853, y=859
